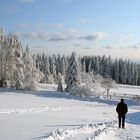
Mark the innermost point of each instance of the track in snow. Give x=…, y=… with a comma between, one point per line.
x=28, y=110
x=99, y=131
x=95, y=130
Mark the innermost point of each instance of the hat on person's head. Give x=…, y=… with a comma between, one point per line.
x=122, y=100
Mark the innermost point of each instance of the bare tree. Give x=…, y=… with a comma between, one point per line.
x=107, y=84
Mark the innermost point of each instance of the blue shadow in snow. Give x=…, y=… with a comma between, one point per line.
x=65, y=95
x=133, y=118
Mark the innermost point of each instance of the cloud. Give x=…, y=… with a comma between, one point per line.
x=59, y=37
x=71, y=34
x=39, y=35
x=137, y=46
x=78, y=45
x=94, y=36
x=108, y=47
x=42, y=35
x=16, y=34
x=41, y=25
x=68, y=35
x=85, y=21
x=29, y=35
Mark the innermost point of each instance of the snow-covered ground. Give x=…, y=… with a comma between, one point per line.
x=127, y=89
x=50, y=115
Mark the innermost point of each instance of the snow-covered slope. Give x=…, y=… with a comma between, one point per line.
x=50, y=115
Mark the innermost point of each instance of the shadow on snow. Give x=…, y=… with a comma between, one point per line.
x=133, y=118
x=65, y=95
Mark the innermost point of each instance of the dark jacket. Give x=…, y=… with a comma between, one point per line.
x=121, y=109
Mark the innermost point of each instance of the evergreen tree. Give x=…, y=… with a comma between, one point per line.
x=52, y=65
x=63, y=66
x=129, y=76
x=17, y=69
x=116, y=71
x=60, y=87
x=123, y=71
x=11, y=65
x=135, y=75
x=90, y=67
x=96, y=65
x=72, y=74
x=84, y=67
x=31, y=75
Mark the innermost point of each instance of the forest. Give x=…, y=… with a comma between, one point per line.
x=21, y=69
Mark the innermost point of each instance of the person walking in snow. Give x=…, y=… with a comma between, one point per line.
x=122, y=110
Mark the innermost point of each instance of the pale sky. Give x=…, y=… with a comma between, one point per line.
x=90, y=27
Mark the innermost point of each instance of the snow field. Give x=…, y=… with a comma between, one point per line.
x=49, y=115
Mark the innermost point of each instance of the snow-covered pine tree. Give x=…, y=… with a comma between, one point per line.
x=2, y=58
x=135, y=75
x=108, y=66
x=116, y=71
x=72, y=73
x=83, y=67
x=54, y=71
x=31, y=74
x=16, y=69
x=11, y=65
x=138, y=76
x=129, y=76
x=96, y=65
x=63, y=65
x=58, y=64
x=123, y=71
x=60, y=87
x=38, y=61
x=90, y=67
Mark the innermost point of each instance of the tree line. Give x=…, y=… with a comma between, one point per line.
x=121, y=71
x=71, y=71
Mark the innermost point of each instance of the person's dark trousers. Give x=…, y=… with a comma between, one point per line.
x=121, y=121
